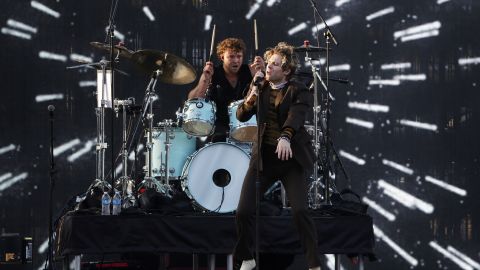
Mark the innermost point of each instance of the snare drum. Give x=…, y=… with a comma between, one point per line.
x=182, y=145
x=213, y=176
x=241, y=131
x=199, y=117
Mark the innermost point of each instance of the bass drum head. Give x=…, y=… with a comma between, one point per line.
x=214, y=176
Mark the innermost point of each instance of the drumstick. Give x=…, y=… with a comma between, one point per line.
x=212, y=43
x=256, y=36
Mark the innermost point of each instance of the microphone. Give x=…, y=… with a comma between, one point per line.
x=51, y=108
x=259, y=78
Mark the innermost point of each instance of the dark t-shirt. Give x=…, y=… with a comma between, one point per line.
x=222, y=93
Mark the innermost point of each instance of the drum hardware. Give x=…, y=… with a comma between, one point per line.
x=149, y=181
x=125, y=183
x=118, y=50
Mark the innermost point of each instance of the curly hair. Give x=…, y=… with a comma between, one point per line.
x=235, y=44
x=289, y=58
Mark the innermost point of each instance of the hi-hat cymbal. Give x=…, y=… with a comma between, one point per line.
x=173, y=69
x=303, y=48
x=118, y=49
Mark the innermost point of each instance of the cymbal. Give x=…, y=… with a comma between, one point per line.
x=303, y=48
x=173, y=69
x=118, y=49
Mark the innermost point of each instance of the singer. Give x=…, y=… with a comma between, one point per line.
x=226, y=82
x=286, y=151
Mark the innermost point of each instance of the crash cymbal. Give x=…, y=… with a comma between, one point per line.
x=303, y=48
x=118, y=49
x=173, y=69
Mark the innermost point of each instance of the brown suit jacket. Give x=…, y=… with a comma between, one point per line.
x=292, y=105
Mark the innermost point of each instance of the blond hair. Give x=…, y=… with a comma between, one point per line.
x=289, y=58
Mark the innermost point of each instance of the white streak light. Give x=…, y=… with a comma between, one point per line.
x=64, y=147
x=332, y=21
x=369, y=107
x=297, y=28
x=339, y=67
x=397, y=166
x=15, y=33
x=88, y=146
x=341, y=2
x=380, y=13
x=439, y=2
x=404, y=254
x=8, y=183
x=208, y=22
x=417, y=29
x=42, y=98
x=117, y=34
x=352, y=158
x=7, y=148
x=396, y=66
x=21, y=26
x=87, y=83
x=41, y=7
x=5, y=176
x=411, y=77
x=148, y=13
x=43, y=247
x=253, y=9
x=271, y=2
x=132, y=154
x=404, y=198
x=468, y=61
x=450, y=256
x=375, y=206
x=464, y=257
x=442, y=184
x=359, y=122
x=80, y=58
x=384, y=82
x=416, y=124
x=421, y=35
x=52, y=56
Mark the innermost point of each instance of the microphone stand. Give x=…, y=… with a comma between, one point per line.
x=111, y=35
x=328, y=34
x=259, y=162
x=52, y=172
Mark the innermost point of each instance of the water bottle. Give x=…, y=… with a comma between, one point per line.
x=106, y=199
x=117, y=203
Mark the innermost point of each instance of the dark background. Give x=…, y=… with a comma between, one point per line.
x=447, y=98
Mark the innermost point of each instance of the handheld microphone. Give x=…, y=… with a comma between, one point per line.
x=51, y=108
x=258, y=79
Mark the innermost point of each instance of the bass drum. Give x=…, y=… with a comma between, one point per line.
x=213, y=176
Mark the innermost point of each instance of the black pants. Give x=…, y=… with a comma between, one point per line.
x=294, y=180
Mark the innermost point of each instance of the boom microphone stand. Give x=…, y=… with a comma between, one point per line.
x=328, y=34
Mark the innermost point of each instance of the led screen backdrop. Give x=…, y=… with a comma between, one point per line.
x=405, y=127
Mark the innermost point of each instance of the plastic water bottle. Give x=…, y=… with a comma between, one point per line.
x=117, y=203
x=106, y=199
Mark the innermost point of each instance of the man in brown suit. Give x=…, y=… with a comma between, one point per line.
x=285, y=151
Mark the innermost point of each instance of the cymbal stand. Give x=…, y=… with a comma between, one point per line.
x=102, y=145
x=150, y=96
x=125, y=182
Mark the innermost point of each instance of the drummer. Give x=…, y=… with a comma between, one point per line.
x=227, y=82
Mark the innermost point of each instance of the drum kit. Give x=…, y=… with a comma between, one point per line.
x=211, y=176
